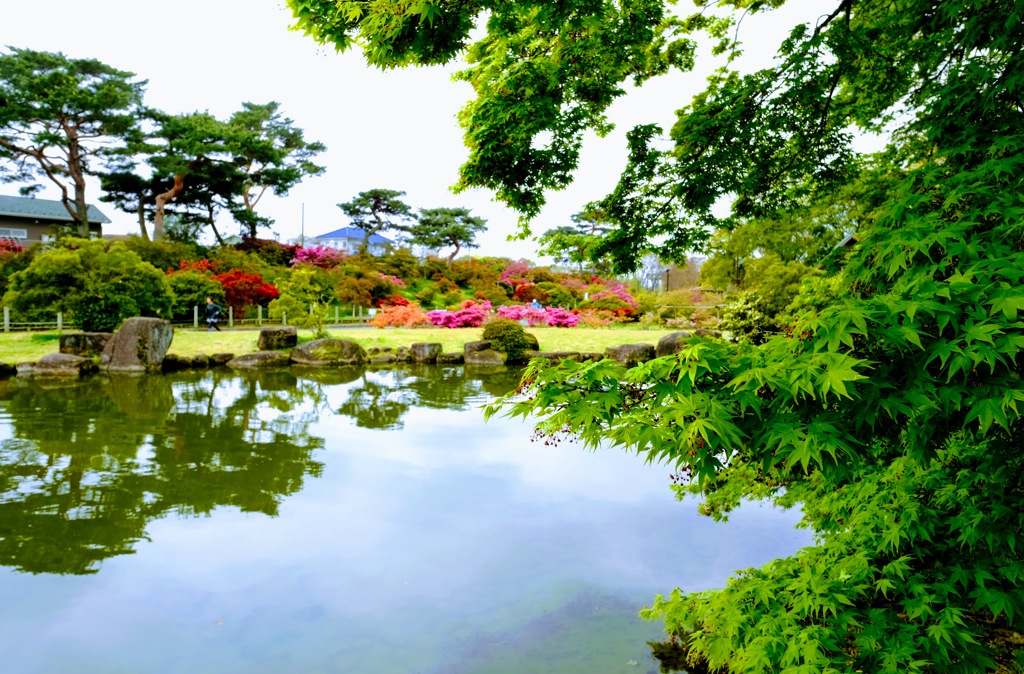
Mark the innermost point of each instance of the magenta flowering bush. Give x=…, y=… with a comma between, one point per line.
x=470, y=315
x=553, y=316
x=394, y=280
x=318, y=256
x=616, y=289
x=561, y=318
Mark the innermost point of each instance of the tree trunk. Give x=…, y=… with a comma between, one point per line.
x=454, y=253
x=142, y=219
x=162, y=200
x=213, y=225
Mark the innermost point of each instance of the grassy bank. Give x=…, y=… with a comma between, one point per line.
x=22, y=347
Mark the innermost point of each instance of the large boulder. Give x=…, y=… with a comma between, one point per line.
x=139, y=345
x=7, y=371
x=220, y=359
x=278, y=337
x=450, y=359
x=630, y=354
x=85, y=344
x=425, y=352
x=260, y=361
x=57, y=365
x=386, y=355
x=328, y=353
x=481, y=353
x=671, y=343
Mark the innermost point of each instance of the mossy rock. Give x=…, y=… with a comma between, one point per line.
x=328, y=353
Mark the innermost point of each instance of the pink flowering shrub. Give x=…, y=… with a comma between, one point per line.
x=470, y=315
x=553, y=316
x=394, y=280
x=613, y=288
x=9, y=246
x=514, y=272
x=318, y=256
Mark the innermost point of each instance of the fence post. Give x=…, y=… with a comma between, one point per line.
x=259, y=315
x=284, y=318
x=7, y=319
x=231, y=317
x=335, y=314
x=195, y=317
x=60, y=321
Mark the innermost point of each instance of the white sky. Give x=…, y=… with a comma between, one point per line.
x=394, y=130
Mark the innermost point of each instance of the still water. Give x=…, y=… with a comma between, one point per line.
x=345, y=521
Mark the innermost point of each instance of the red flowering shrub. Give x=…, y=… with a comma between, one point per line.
x=393, y=301
x=242, y=290
x=8, y=246
x=527, y=292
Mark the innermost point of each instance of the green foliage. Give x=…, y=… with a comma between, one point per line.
x=442, y=227
x=892, y=412
x=557, y=296
x=62, y=119
x=162, y=254
x=95, y=284
x=306, y=296
x=190, y=289
x=508, y=337
x=377, y=210
x=748, y=317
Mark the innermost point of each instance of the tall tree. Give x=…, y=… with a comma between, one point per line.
x=892, y=413
x=62, y=119
x=376, y=211
x=577, y=244
x=443, y=227
x=272, y=155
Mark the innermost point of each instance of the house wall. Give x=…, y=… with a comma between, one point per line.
x=35, y=230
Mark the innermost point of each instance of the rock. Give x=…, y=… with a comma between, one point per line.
x=278, y=337
x=139, y=345
x=555, y=356
x=7, y=371
x=425, y=352
x=630, y=354
x=175, y=363
x=531, y=338
x=328, y=353
x=57, y=365
x=383, y=359
x=260, y=360
x=85, y=344
x=450, y=359
x=595, y=356
x=487, y=357
x=671, y=343
x=403, y=354
x=472, y=347
x=704, y=332
x=201, y=361
x=221, y=359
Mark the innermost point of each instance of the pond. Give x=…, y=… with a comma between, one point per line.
x=333, y=521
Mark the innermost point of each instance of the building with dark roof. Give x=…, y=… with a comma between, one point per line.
x=349, y=240
x=27, y=220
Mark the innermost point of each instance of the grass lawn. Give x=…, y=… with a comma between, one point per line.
x=20, y=347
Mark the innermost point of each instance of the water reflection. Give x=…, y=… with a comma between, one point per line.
x=89, y=466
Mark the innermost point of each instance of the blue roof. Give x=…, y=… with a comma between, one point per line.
x=44, y=209
x=353, y=233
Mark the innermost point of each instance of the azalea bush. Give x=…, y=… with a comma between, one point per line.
x=242, y=290
x=470, y=315
x=318, y=256
x=406, y=316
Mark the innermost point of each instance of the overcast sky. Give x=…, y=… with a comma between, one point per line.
x=394, y=130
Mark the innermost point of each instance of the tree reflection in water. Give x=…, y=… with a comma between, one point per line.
x=87, y=465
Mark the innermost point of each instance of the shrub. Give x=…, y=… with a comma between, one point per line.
x=94, y=283
x=406, y=316
x=508, y=337
x=495, y=294
x=561, y=318
x=242, y=290
x=528, y=292
x=318, y=256
x=557, y=295
x=162, y=254
x=747, y=318
x=272, y=252
x=190, y=289
x=470, y=315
